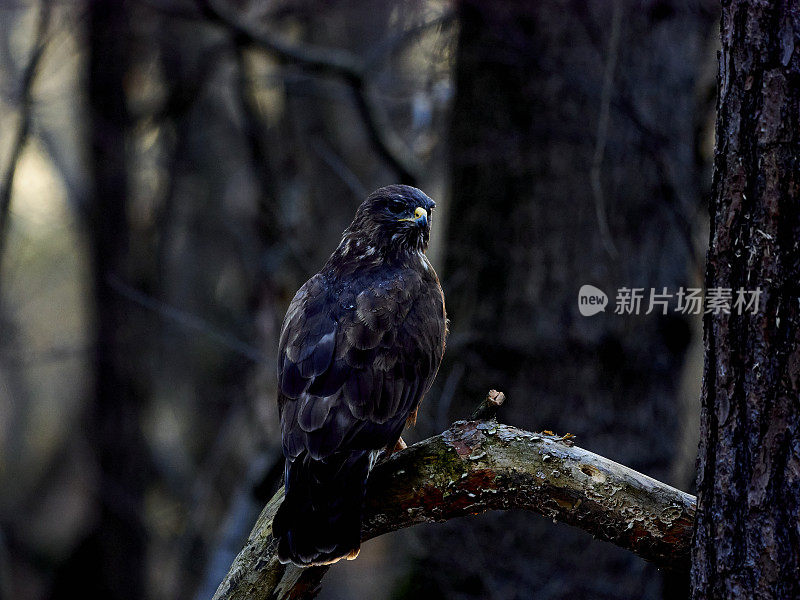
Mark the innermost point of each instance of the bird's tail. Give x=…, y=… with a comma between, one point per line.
x=319, y=521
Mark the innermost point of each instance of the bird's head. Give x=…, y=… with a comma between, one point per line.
x=393, y=219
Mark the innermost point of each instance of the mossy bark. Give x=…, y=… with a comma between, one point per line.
x=476, y=466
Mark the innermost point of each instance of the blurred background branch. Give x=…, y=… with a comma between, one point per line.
x=24, y=96
x=353, y=71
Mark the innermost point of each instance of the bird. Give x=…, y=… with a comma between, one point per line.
x=359, y=347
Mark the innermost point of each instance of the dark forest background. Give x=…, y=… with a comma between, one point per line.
x=172, y=171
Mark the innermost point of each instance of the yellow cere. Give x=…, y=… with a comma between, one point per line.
x=419, y=212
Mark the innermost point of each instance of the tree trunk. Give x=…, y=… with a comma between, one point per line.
x=545, y=198
x=117, y=434
x=110, y=561
x=747, y=541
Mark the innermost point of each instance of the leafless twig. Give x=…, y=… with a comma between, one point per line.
x=186, y=320
x=25, y=119
x=331, y=61
x=339, y=167
x=256, y=135
x=602, y=130
x=383, y=50
x=680, y=211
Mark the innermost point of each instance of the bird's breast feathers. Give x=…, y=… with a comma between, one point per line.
x=356, y=357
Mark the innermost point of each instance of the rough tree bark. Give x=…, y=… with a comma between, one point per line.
x=476, y=466
x=747, y=541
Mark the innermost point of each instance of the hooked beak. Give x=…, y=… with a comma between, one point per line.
x=420, y=217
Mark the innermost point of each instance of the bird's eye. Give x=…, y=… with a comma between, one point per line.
x=397, y=206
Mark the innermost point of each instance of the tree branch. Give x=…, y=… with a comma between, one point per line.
x=25, y=118
x=332, y=61
x=477, y=466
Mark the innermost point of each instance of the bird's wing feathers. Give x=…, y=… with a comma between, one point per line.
x=308, y=339
x=352, y=370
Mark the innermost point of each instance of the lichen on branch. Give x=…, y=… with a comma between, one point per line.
x=477, y=466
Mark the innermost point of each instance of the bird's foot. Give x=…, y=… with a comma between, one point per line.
x=400, y=445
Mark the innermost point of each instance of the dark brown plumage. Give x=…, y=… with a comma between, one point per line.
x=360, y=346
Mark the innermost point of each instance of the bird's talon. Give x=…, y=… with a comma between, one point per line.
x=400, y=445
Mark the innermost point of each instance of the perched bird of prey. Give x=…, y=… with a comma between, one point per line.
x=360, y=346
